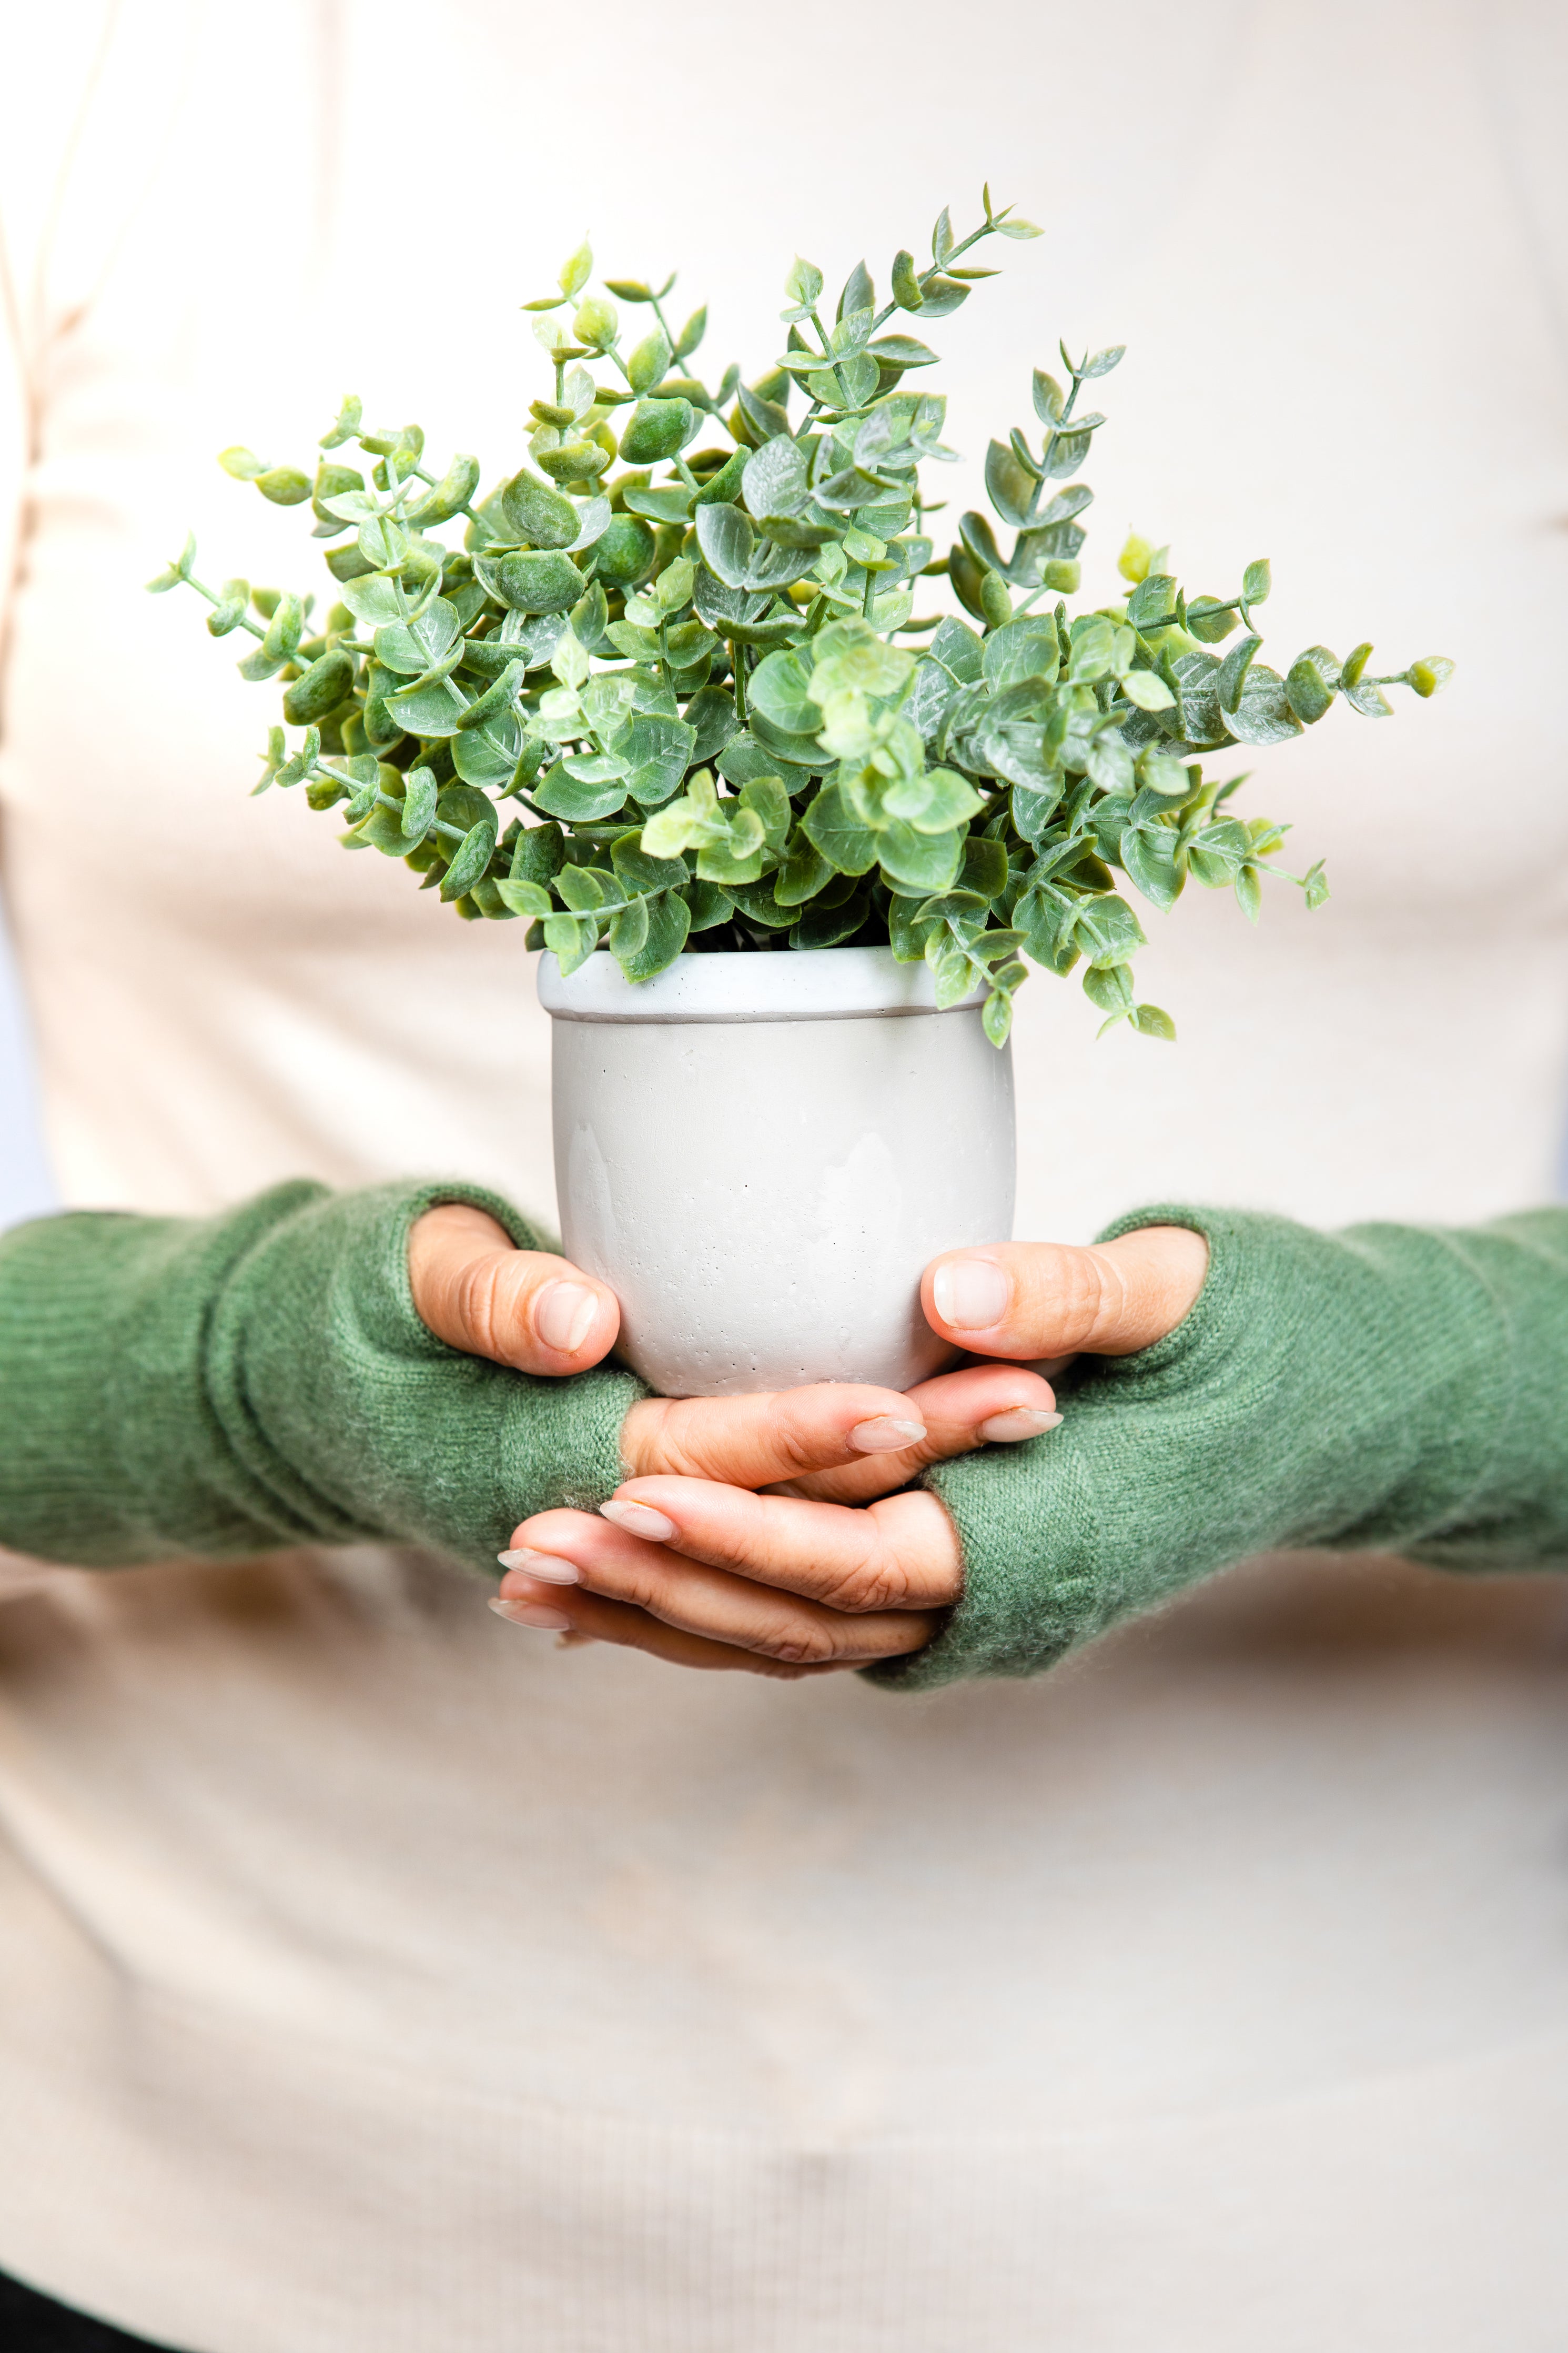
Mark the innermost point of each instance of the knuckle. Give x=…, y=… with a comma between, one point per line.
x=877, y=1583
x=478, y=1305
x=799, y=1645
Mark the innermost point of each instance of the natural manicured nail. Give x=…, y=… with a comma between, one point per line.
x=639, y=1520
x=886, y=1436
x=530, y=1613
x=563, y=1316
x=1022, y=1421
x=546, y=1565
x=970, y=1293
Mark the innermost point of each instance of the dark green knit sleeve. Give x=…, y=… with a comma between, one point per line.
x=1396, y=1388
x=220, y=1385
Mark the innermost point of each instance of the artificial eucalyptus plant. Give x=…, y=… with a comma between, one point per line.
x=688, y=675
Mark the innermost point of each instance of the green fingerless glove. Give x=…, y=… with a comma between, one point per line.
x=223, y=1385
x=1396, y=1389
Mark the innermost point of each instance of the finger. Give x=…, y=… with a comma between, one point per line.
x=528, y=1309
x=1048, y=1299
x=751, y=1441
x=591, y=1619
x=984, y=1405
x=899, y=1554
x=559, y=1556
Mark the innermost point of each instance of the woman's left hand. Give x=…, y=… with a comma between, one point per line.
x=689, y=1562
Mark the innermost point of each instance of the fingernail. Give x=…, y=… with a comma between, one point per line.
x=564, y=1314
x=529, y=1613
x=1022, y=1421
x=639, y=1520
x=970, y=1293
x=886, y=1436
x=574, y=1639
x=548, y=1567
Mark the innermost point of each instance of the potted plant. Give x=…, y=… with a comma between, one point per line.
x=681, y=639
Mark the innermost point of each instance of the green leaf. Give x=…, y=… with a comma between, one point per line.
x=1148, y=691
x=935, y=801
x=320, y=689
x=1108, y=932
x=243, y=464
x=1209, y=620
x=414, y=646
x=829, y=927
x=1009, y=487
x=1151, y=1022
x=708, y=904
x=1023, y=649
x=831, y=826
x=656, y=752
x=526, y=898
x=1255, y=582
x=419, y=807
x=803, y=288
x=635, y=870
x=1049, y=398
x=564, y=796
x=580, y=888
x=906, y=282
x=649, y=363
x=571, y=938
x=1148, y=855
x=469, y=860
x=1430, y=675
x=537, y=854
x=781, y=693
x=1249, y=891
x=985, y=867
x=912, y=861
x=542, y=581
x=536, y=513
x=1233, y=671
x=1263, y=715
x=711, y=714
x=667, y=923
x=657, y=430
x=1110, y=987
x=450, y=495
x=902, y=352
x=1363, y=696
x=803, y=874
x=1310, y=683
x=997, y=1017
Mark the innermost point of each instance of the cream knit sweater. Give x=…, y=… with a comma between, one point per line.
x=371, y=1975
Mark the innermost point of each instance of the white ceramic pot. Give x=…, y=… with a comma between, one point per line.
x=760, y=1152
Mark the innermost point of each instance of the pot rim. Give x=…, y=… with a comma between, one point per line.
x=789, y=984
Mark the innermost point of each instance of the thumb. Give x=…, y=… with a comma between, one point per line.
x=529, y=1309
x=1035, y=1300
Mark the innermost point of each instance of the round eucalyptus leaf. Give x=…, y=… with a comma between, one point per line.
x=540, y=580
x=657, y=430
x=537, y=513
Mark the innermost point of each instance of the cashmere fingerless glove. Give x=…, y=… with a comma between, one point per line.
x=223, y=1386
x=1395, y=1389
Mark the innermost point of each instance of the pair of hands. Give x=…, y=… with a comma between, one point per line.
x=770, y=1533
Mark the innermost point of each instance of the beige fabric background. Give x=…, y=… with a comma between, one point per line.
x=373, y=1977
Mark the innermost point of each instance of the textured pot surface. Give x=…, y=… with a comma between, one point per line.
x=759, y=1154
